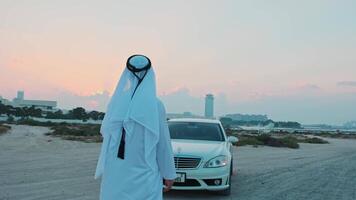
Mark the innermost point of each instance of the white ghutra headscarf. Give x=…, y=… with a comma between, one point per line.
x=134, y=102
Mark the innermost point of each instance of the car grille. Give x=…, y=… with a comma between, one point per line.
x=186, y=162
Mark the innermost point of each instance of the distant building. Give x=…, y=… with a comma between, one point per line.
x=247, y=118
x=209, y=106
x=20, y=101
x=20, y=95
x=350, y=125
x=182, y=115
x=4, y=101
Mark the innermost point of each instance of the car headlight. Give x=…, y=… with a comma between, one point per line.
x=219, y=161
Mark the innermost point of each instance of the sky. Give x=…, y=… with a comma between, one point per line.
x=292, y=60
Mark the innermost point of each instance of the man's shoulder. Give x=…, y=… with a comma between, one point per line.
x=160, y=105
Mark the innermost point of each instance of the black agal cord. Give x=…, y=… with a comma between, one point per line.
x=134, y=70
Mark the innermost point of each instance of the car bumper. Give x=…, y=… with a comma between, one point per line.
x=203, y=179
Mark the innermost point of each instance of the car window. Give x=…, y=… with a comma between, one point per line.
x=195, y=131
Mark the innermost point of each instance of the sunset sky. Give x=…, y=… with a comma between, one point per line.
x=292, y=60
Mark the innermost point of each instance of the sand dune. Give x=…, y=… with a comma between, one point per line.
x=38, y=167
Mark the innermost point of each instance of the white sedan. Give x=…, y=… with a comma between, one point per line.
x=202, y=155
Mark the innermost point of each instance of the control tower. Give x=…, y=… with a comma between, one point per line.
x=209, y=106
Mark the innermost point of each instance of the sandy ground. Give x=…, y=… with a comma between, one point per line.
x=34, y=166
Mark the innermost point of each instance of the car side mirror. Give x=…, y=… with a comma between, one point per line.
x=233, y=139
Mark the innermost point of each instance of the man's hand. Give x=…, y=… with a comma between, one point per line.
x=168, y=184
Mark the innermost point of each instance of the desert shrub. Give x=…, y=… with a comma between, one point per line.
x=10, y=119
x=290, y=142
x=265, y=138
x=64, y=130
x=83, y=132
x=314, y=140
x=338, y=135
x=268, y=140
x=31, y=122
x=248, y=140
x=77, y=130
x=4, y=128
x=88, y=139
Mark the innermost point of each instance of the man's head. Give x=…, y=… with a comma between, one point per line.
x=138, y=63
x=139, y=66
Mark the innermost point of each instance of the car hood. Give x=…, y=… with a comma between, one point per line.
x=199, y=148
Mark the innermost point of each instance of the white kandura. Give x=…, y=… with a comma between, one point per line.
x=148, y=151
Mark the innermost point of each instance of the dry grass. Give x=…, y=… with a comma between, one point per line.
x=275, y=139
x=67, y=131
x=4, y=129
x=268, y=140
x=76, y=132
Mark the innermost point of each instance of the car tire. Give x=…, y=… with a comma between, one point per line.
x=227, y=191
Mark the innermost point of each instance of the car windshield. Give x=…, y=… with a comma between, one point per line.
x=195, y=131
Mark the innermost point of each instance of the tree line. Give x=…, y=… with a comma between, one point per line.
x=228, y=122
x=76, y=113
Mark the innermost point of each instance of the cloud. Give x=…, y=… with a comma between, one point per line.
x=347, y=83
x=305, y=87
x=181, y=100
x=309, y=87
x=97, y=101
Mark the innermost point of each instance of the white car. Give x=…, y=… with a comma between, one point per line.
x=202, y=155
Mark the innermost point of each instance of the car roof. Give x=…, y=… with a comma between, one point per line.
x=200, y=120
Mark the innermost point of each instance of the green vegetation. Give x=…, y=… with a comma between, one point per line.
x=25, y=112
x=20, y=112
x=248, y=140
x=267, y=140
x=314, y=140
x=286, y=140
x=4, y=128
x=31, y=122
x=337, y=135
x=76, y=113
x=228, y=122
x=82, y=132
x=290, y=142
x=68, y=131
x=287, y=124
x=10, y=119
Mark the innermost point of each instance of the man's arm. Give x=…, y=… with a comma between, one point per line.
x=165, y=156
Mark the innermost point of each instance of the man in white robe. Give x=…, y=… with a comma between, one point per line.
x=136, y=155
